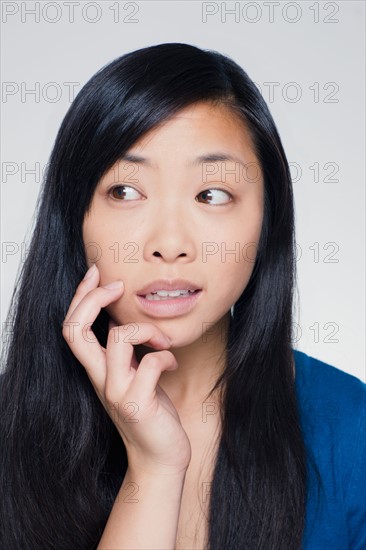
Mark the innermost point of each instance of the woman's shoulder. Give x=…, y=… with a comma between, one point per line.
x=321, y=382
x=332, y=402
x=332, y=406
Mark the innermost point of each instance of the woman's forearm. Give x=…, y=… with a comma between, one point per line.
x=145, y=513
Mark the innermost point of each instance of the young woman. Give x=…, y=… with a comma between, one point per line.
x=171, y=412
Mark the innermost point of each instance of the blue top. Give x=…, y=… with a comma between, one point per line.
x=332, y=414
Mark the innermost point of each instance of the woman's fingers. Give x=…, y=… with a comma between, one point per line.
x=83, y=310
x=79, y=335
x=119, y=354
x=118, y=360
x=82, y=289
x=148, y=374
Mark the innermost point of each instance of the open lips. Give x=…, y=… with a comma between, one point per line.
x=169, y=288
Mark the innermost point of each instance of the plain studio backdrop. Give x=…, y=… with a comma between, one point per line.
x=308, y=60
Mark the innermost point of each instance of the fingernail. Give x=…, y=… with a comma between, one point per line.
x=90, y=272
x=114, y=285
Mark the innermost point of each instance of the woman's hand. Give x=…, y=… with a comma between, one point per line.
x=142, y=412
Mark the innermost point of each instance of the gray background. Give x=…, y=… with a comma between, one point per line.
x=313, y=51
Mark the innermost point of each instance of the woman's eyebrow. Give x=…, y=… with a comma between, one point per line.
x=201, y=159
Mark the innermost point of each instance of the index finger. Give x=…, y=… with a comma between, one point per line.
x=82, y=312
x=82, y=289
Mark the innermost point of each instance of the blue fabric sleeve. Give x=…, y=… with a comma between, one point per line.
x=355, y=497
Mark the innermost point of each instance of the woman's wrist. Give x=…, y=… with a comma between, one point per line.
x=149, y=473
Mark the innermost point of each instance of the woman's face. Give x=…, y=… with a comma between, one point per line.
x=174, y=216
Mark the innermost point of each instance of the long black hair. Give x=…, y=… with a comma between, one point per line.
x=62, y=460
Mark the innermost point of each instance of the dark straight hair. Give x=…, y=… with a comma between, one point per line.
x=62, y=460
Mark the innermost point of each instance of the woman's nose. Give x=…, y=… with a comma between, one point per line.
x=171, y=238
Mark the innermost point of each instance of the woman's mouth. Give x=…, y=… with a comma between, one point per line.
x=169, y=303
x=169, y=294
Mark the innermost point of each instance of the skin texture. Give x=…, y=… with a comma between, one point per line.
x=169, y=227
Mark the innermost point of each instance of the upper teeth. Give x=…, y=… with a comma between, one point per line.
x=171, y=292
x=166, y=294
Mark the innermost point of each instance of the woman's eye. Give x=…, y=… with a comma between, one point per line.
x=208, y=194
x=123, y=192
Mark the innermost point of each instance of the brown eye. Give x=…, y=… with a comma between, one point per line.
x=210, y=194
x=123, y=192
